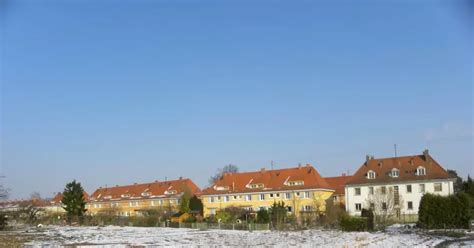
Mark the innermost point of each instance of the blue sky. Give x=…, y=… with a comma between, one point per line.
x=120, y=92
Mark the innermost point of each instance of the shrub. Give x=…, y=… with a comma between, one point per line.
x=262, y=216
x=441, y=212
x=353, y=224
x=369, y=214
x=3, y=222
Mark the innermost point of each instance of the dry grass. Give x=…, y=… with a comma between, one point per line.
x=11, y=241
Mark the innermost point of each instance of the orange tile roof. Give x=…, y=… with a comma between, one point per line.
x=406, y=165
x=155, y=189
x=271, y=179
x=59, y=197
x=338, y=183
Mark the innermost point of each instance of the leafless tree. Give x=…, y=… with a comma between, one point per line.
x=230, y=168
x=385, y=203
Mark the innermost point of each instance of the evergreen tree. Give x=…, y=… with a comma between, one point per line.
x=195, y=204
x=278, y=213
x=262, y=216
x=184, y=204
x=73, y=201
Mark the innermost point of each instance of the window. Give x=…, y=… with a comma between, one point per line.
x=421, y=188
x=287, y=195
x=438, y=187
x=278, y=195
x=334, y=197
x=170, y=192
x=383, y=189
x=212, y=199
x=371, y=190
x=306, y=194
x=358, y=207
x=295, y=183
x=235, y=197
x=226, y=198
x=384, y=205
x=262, y=197
x=307, y=208
x=357, y=191
x=255, y=186
x=410, y=205
x=248, y=197
x=133, y=203
x=212, y=211
x=297, y=193
x=289, y=208
x=409, y=188
x=160, y=202
x=371, y=175
x=420, y=171
x=271, y=195
x=395, y=172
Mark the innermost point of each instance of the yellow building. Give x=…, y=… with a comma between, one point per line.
x=136, y=199
x=302, y=190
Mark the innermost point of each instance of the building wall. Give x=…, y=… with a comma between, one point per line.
x=132, y=207
x=297, y=200
x=415, y=196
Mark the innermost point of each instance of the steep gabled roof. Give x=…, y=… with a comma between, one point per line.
x=406, y=165
x=338, y=183
x=271, y=180
x=155, y=189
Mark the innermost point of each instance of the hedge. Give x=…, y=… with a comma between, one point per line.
x=353, y=224
x=442, y=212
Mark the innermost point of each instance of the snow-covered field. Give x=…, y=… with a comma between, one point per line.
x=113, y=236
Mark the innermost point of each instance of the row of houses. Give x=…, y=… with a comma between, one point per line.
x=301, y=188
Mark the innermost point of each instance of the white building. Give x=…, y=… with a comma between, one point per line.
x=399, y=182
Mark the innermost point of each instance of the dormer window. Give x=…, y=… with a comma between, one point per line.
x=170, y=192
x=107, y=197
x=420, y=171
x=222, y=188
x=125, y=195
x=395, y=172
x=295, y=183
x=256, y=185
x=146, y=194
x=371, y=174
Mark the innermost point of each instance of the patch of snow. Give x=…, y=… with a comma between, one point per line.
x=114, y=236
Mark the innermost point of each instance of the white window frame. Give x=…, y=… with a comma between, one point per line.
x=421, y=171
x=421, y=188
x=395, y=172
x=287, y=195
x=261, y=197
x=440, y=187
x=411, y=188
x=357, y=189
x=371, y=174
x=358, y=207
x=248, y=197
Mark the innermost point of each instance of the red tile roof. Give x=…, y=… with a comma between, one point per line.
x=407, y=167
x=271, y=179
x=155, y=189
x=59, y=197
x=338, y=183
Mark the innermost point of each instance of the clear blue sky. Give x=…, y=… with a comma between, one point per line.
x=133, y=91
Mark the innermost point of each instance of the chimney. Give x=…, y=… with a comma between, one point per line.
x=299, y=165
x=343, y=174
x=426, y=154
x=308, y=165
x=180, y=178
x=368, y=158
x=262, y=170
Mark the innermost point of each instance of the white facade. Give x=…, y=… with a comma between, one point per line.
x=409, y=201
